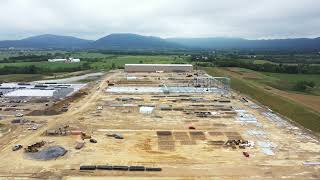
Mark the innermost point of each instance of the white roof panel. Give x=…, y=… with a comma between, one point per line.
x=30, y=92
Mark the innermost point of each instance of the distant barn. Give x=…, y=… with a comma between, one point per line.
x=158, y=67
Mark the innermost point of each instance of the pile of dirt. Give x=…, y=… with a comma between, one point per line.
x=48, y=153
x=59, y=107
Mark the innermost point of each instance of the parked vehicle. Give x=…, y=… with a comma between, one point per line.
x=16, y=147
x=246, y=154
x=118, y=136
x=19, y=115
x=99, y=108
x=93, y=140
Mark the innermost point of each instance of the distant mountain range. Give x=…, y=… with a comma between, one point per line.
x=134, y=41
x=47, y=41
x=238, y=43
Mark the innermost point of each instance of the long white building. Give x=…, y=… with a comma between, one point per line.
x=69, y=60
x=158, y=67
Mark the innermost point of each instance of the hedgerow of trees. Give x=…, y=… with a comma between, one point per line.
x=232, y=61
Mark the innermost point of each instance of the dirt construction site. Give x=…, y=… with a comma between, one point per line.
x=158, y=125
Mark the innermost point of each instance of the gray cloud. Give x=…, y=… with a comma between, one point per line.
x=166, y=18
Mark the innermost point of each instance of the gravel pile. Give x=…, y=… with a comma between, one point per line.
x=48, y=153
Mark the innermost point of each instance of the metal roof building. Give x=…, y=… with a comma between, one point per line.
x=158, y=67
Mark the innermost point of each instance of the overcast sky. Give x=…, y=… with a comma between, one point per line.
x=92, y=19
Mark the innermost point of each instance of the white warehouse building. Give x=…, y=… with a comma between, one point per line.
x=158, y=68
x=69, y=60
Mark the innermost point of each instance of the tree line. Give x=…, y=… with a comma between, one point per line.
x=27, y=58
x=249, y=64
x=33, y=69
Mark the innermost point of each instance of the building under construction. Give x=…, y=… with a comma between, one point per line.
x=177, y=124
x=158, y=67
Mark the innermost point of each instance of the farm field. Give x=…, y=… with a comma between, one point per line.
x=262, y=62
x=303, y=109
x=89, y=62
x=280, y=81
x=120, y=61
x=93, y=61
x=20, y=77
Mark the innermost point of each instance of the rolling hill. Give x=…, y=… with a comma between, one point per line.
x=139, y=42
x=298, y=44
x=133, y=41
x=47, y=41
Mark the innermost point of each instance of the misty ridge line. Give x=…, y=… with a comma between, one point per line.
x=135, y=41
x=183, y=37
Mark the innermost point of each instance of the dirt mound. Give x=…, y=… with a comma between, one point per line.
x=48, y=153
x=60, y=106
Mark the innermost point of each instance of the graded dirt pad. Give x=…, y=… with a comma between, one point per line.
x=197, y=135
x=213, y=133
x=161, y=139
x=183, y=136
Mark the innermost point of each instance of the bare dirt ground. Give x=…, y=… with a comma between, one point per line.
x=185, y=154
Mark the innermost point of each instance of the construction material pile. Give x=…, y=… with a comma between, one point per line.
x=48, y=153
x=119, y=168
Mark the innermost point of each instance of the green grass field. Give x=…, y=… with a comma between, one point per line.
x=120, y=61
x=16, y=53
x=91, y=61
x=281, y=81
x=20, y=77
x=293, y=78
x=286, y=82
x=103, y=63
x=297, y=112
x=262, y=62
x=90, y=55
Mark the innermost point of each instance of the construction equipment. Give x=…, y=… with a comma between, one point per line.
x=93, y=140
x=19, y=115
x=246, y=154
x=85, y=136
x=61, y=131
x=116, y=136
x=88, y=167
x=34, y=147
